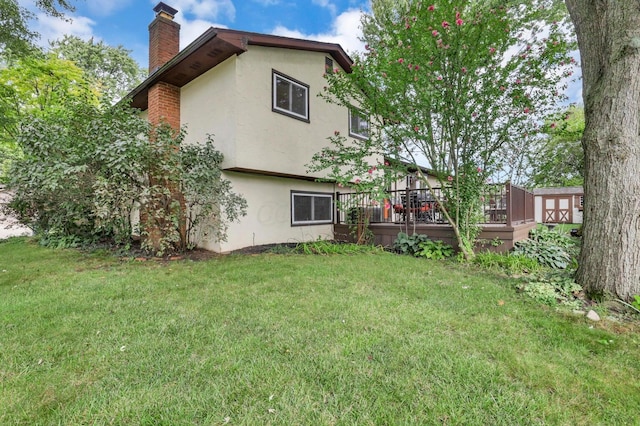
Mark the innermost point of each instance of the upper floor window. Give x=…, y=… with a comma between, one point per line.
x=328, y=65
x=290, y=97
x=358, y=125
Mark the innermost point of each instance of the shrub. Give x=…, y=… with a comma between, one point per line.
x=420, y=245
x=409, y=244
x=434, y=250
x=85, y=173
x=545, y=235
x=548, y=248
x=544, y=253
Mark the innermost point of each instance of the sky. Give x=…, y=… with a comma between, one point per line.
x=125, y=22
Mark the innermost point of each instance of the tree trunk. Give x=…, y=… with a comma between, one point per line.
x=609, y=39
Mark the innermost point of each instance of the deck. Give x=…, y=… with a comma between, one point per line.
x=508, y=213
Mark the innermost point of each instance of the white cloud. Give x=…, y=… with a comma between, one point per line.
x=197, y=16
x=191, y=30
x=51, y=28
x=326, y=3
x=345, y=30
x=107, y=7
x=204, y=9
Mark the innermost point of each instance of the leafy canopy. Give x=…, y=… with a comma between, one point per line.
x=560, y=159
x=15, y=35
x=448, y=85
x=110, y=70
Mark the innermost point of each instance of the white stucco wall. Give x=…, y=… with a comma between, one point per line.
x=208, y=105
x=268, y=219
x=267, y=140
x=233, y=102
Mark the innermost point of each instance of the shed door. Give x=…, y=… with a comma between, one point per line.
x=557, y=209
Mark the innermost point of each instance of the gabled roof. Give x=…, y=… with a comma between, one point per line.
x=561, y=190
x=215, y=46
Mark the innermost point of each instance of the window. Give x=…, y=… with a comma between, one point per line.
x=309, y=208
x=358, y=125
x=290, y=97
x=328, y=65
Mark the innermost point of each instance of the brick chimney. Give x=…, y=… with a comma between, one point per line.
x=163, y=107
x=164, y=44
x=164, y=37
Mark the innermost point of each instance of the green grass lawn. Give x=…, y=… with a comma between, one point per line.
x=295, y=339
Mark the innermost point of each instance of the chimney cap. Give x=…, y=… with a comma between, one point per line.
x=162, y=8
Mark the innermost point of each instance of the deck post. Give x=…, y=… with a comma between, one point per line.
x=407, y=207
x=337, y=218
x=509, y=205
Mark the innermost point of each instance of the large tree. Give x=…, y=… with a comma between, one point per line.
x=450, y=83
x=608, y=34
x=558, y=159
x=15, y=35
x=111, y=70
x=32, y=86
x=36, y=82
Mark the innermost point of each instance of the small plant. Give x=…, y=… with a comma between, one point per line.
x=409, y=244
x=552, y=289
x=436, y=250
x=496, y=242
x=510, y=263
x=544, y=235
x=548, y=248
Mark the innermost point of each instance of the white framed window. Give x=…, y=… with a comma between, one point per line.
x=290, y=97
x=311, y=208
x=358, y=125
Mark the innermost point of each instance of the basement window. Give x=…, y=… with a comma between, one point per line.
x=290, y=97
x=311, y=208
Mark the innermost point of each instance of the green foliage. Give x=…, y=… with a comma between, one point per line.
x=209, y=199
x=327, y=247
x=111, y=71
x=510, y=263
x=560, y=161
x=409, y=244
x=45, y=83
x=436, y=250
x=546, y=254
x=553, y=288
x=548, y=248
x=31, y=87
x=419, y=245
x=15, y=36
x=452, y=82
x=86, y=172
x=636, y=302
x=463, y=202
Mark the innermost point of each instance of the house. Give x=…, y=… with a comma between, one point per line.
x=257, y=94
x=559, y=205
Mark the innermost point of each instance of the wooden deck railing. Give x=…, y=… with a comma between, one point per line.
x=500, y=204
